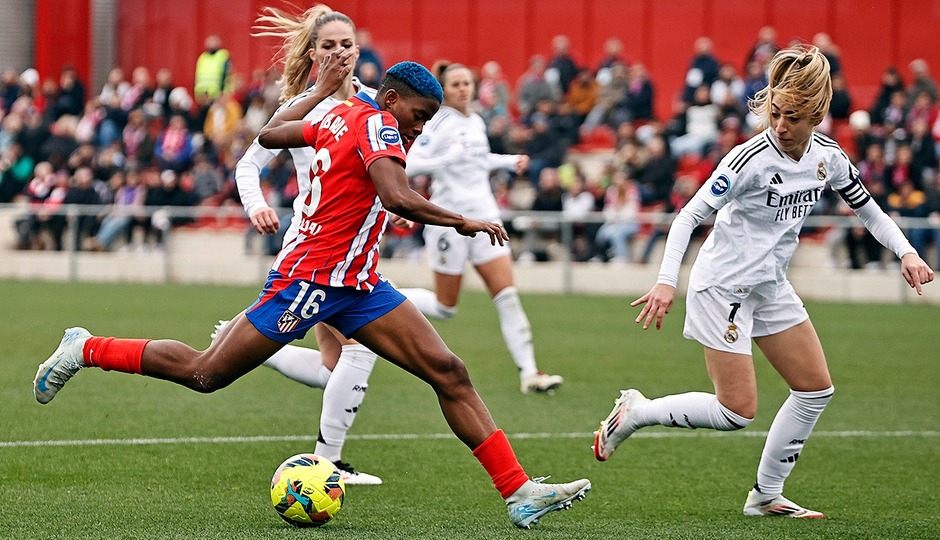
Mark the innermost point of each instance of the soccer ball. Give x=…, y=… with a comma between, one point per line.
x=307, y=490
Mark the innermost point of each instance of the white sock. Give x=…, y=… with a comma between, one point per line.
x=690, y=410
x=342, y=397
x=516, y=330
x=426, y=302
x=301, y=364
x=788, y=433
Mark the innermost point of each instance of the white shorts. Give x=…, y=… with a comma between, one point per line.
x=726, y=322
x=448, y=251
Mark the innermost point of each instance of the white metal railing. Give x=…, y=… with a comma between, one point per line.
x=531, y=228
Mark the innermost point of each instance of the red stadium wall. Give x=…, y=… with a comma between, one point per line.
x=62, y=37
x=170, y=33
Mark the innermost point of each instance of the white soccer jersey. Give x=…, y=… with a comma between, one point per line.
x=763, y=197
x=248, y=169
x=454, y=150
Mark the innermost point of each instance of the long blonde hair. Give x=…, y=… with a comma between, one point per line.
x=800, y=75
x=300, y=35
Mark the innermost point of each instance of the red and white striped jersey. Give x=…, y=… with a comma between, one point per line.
x=342, y=218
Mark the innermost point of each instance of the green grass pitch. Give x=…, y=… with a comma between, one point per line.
x=121, y=456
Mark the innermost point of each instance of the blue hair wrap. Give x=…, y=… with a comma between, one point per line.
x=418, y=78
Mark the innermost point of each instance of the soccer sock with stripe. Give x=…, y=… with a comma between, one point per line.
x=788, y=433
x=689, y=410
x=300, y=364
x=342, y=398
x=517, y=333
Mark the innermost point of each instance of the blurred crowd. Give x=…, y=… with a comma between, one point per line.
x=144, y=143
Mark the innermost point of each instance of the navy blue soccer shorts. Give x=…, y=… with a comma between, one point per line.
x=288, y=308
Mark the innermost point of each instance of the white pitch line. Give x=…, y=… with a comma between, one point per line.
x=431, y=436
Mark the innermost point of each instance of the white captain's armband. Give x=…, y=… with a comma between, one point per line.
x=855, y=195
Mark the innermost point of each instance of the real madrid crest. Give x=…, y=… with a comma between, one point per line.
x=731, y=335
x=821, y=171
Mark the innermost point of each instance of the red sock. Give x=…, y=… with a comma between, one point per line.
x=497, y=457
x=112, y=353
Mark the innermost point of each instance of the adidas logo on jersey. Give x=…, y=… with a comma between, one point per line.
x=776, y=180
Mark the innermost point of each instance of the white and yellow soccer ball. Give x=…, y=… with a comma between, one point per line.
x=307, y=490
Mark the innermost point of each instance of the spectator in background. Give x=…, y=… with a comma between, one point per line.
x=577, y=203
x=181, y=104
x=16, y=169
x=932, y=190
x=10, y=90
x=137, y=142
x=61, y=142
x=613, y=54
x=902, y=170
x=640, y=95
x=727, y=85
x=71, y=96
x=830, y=50
x=923, y=152
x=582, y=95
x=548, y=198
x=701, y=126
x=159, y=107
x=141, y=89
x=764, y=48
x=922, y=81
x=703, y=68
x=755, y=80
x=621, y=206
x=922, y=108
x=908, y=201
x=493, y=93
x=114, y=88
x=534, y=87
x=562, y=66
x=223, y=120
x=129, y=197
x=369, y=74
x=367, y=54
x=545, y=147
x=656, y=176
x=207, y=180
x=213, y=70
x=174, y=146
x=841, y=104
x=890, y=84
x=256, y=115
x=895, y=115
x=608, y=96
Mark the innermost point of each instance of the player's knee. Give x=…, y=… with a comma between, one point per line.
x=738, y=414
x=450, y=375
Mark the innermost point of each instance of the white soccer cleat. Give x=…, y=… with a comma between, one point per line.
x=617, y=426
x=61, y=366
x=777, y=506
x=535, y=499
x=217, y=329
x=352, y=477
x=540, y=382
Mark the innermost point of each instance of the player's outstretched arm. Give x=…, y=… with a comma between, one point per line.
x=285, y=129
x=248, y=181
x=656, y=304
x=397, y=197
x=915, y=272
